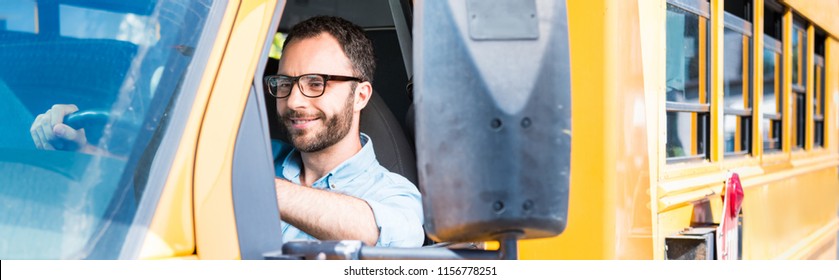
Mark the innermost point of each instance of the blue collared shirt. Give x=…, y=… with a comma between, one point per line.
x=395, y=201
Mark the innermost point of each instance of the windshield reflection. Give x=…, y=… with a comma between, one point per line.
x=121, y=63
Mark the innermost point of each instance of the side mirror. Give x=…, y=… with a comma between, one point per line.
x=493, y=118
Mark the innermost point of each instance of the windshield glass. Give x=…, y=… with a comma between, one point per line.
x=121, y=63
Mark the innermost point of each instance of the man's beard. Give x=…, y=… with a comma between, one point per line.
x=333, y=130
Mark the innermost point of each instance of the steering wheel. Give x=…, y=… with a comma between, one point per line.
x=93, y=121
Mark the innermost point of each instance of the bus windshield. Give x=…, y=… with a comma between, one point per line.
x=121, y=63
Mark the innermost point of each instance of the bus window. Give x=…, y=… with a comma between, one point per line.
x=772, y=105
x=17, y=16
x=737, y=96
x=799, y=57
x=688, y=108
x=818, y=90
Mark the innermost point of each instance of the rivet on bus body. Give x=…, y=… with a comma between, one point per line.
x=498, y=206
x=495, y=124
x=525, y=123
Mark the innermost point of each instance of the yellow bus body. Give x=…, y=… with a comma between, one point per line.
x=625, y=199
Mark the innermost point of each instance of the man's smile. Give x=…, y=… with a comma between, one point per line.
x=302, y=122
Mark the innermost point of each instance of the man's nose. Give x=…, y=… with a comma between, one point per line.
x=295, y=98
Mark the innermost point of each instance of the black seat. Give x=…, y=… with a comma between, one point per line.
x=393, y=150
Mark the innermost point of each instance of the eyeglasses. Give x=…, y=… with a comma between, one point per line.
x=311, y=85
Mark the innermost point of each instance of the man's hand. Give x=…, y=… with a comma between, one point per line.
x=50, y=133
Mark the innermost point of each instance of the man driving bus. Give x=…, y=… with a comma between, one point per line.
x=329, y=184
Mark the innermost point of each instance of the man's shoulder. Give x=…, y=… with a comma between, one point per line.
x=395, y=178
x=385, y=178
x=380, y=172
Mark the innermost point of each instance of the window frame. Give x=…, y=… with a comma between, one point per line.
x=775, y=118
x=799, y=32
x=702, y=10
x=743, y=131
x=819, y=103
x=798, y=88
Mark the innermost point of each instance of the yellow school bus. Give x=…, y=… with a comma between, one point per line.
x=660, y=107
x=647, y=81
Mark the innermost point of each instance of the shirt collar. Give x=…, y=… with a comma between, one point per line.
x=341, y=175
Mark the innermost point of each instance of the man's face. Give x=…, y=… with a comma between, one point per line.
x=314, y=124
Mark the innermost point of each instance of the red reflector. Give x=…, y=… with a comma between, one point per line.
x=734, y=192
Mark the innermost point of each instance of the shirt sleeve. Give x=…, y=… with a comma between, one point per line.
x=398, y=214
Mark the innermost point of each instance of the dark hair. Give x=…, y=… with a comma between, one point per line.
x=354, y=42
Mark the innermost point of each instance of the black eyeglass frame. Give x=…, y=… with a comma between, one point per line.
x=296, y=80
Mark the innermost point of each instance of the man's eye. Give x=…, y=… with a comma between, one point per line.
x=314, y=84
x=284, y=85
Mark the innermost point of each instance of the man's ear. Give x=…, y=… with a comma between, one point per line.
x=363, y=93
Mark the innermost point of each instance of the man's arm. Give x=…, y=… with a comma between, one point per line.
x=326, y=215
